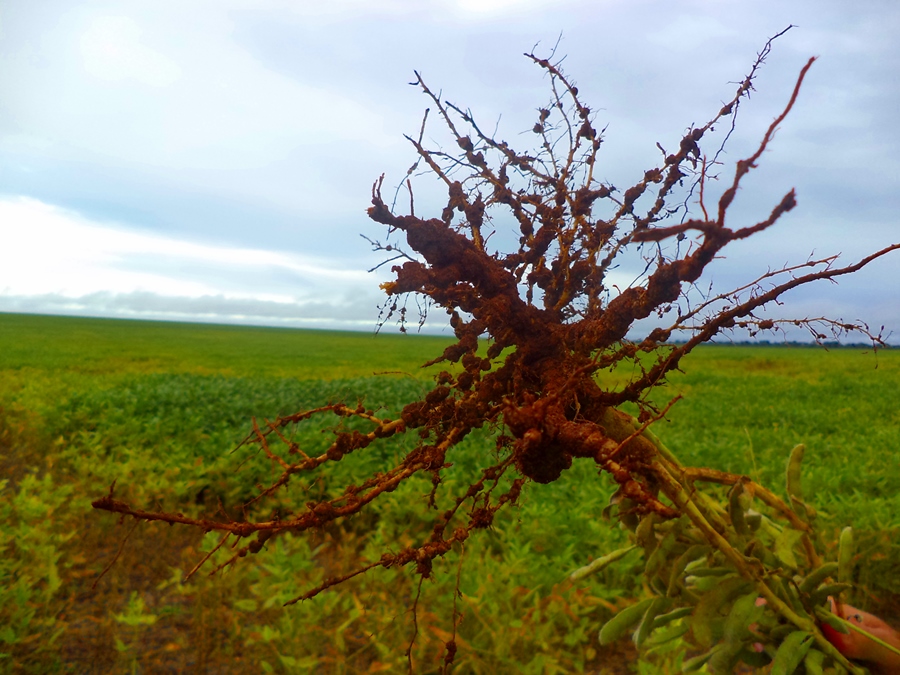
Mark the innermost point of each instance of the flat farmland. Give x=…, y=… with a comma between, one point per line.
x=160, y=408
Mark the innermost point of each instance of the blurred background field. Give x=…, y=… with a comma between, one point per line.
x=160, y=407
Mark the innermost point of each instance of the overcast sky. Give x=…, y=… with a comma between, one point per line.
x=213, y=160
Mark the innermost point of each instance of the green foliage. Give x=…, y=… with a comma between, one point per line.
x=31, y=562
x=744, y=408
x=109, y=346
x=172, y=435
x=747, y=587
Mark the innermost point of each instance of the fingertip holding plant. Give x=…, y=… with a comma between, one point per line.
x=535, y=326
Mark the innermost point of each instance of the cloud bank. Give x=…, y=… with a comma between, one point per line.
x=160, y=277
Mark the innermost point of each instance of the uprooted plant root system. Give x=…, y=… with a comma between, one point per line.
x=535, y=325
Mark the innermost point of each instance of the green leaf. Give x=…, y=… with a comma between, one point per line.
x=660, y=637
x=822, y=593
x=813, y=662
x=743, y=613
x=617, y=626
x=784, y=546
x=791, y=652
x=658, y=606
x=664, y=619
x=697, y=662
x=707, y=621
x=8, y=635
x=724, y=659
x=817, y=576
x=696, y=553
x=663, y=552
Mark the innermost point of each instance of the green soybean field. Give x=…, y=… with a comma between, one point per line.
x=160, y=409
